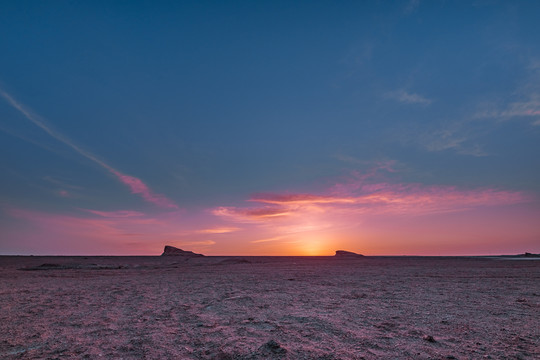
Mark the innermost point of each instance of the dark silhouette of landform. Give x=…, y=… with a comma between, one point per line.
x=174, y=251
x=72, y=266
x=527, y=255
x=179, y=257
x=342, y=254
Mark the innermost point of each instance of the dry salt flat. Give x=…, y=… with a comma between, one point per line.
x=269, y=308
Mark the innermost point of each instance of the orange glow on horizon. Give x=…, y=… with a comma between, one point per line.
x=311, y=247
x=371, y=219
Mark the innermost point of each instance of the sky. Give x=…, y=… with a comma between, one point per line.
x=270, y=127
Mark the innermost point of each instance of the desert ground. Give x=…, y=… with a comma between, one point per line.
x=269, y=307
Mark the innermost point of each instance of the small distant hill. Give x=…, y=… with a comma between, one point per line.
x=174, y=251
x=347, y=254
x=529, y=255
x=526, y=255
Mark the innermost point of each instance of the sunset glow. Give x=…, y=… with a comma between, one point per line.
x=270, y=130
x=374, y=218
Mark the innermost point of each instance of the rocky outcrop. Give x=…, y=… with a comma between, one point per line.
x=347, y=254
x=174, y=251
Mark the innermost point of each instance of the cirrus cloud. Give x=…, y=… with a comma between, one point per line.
x=358, y=196
x=406, y=97
x=136, y=185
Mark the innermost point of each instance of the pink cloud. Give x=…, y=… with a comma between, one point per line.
x=362, y=213
x=116, y=214
x=250, y=214
x=219, y=230
x=64, y=193
x=402, y=218
x=412, y=199
x=138, y=187
x=349, y=207
x=378, y=218
x=299, y=199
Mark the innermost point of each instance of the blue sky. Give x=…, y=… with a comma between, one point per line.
x=208, y=103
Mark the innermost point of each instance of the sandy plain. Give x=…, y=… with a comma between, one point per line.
x=269, y=307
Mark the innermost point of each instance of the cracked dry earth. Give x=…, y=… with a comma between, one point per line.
x=264, y=307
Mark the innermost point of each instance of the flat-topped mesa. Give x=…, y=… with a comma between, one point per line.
x=347, y=254
x=173, y=251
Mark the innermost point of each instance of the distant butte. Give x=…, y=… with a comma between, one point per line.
x=174, y=251
x=347, y=254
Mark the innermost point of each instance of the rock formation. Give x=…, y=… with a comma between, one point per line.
x=347, y=254
x=173, y=251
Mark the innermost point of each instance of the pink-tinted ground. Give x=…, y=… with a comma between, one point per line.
x=312, y=308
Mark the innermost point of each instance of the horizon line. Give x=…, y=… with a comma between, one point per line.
x=305, y=256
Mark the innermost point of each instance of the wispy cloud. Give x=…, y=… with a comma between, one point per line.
x=249, y=214
x=461, y=136
x=196, y=243
x=397, y=198
x=450, y=139
x=526, y=108
x=219, y=230
x=360, y=196
x=116, y=214
x=300, y=199
x=64, y=193
x=136, y=185
x=274, y=238
x=350, y=207
x=406, y=97
x=523, y=103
